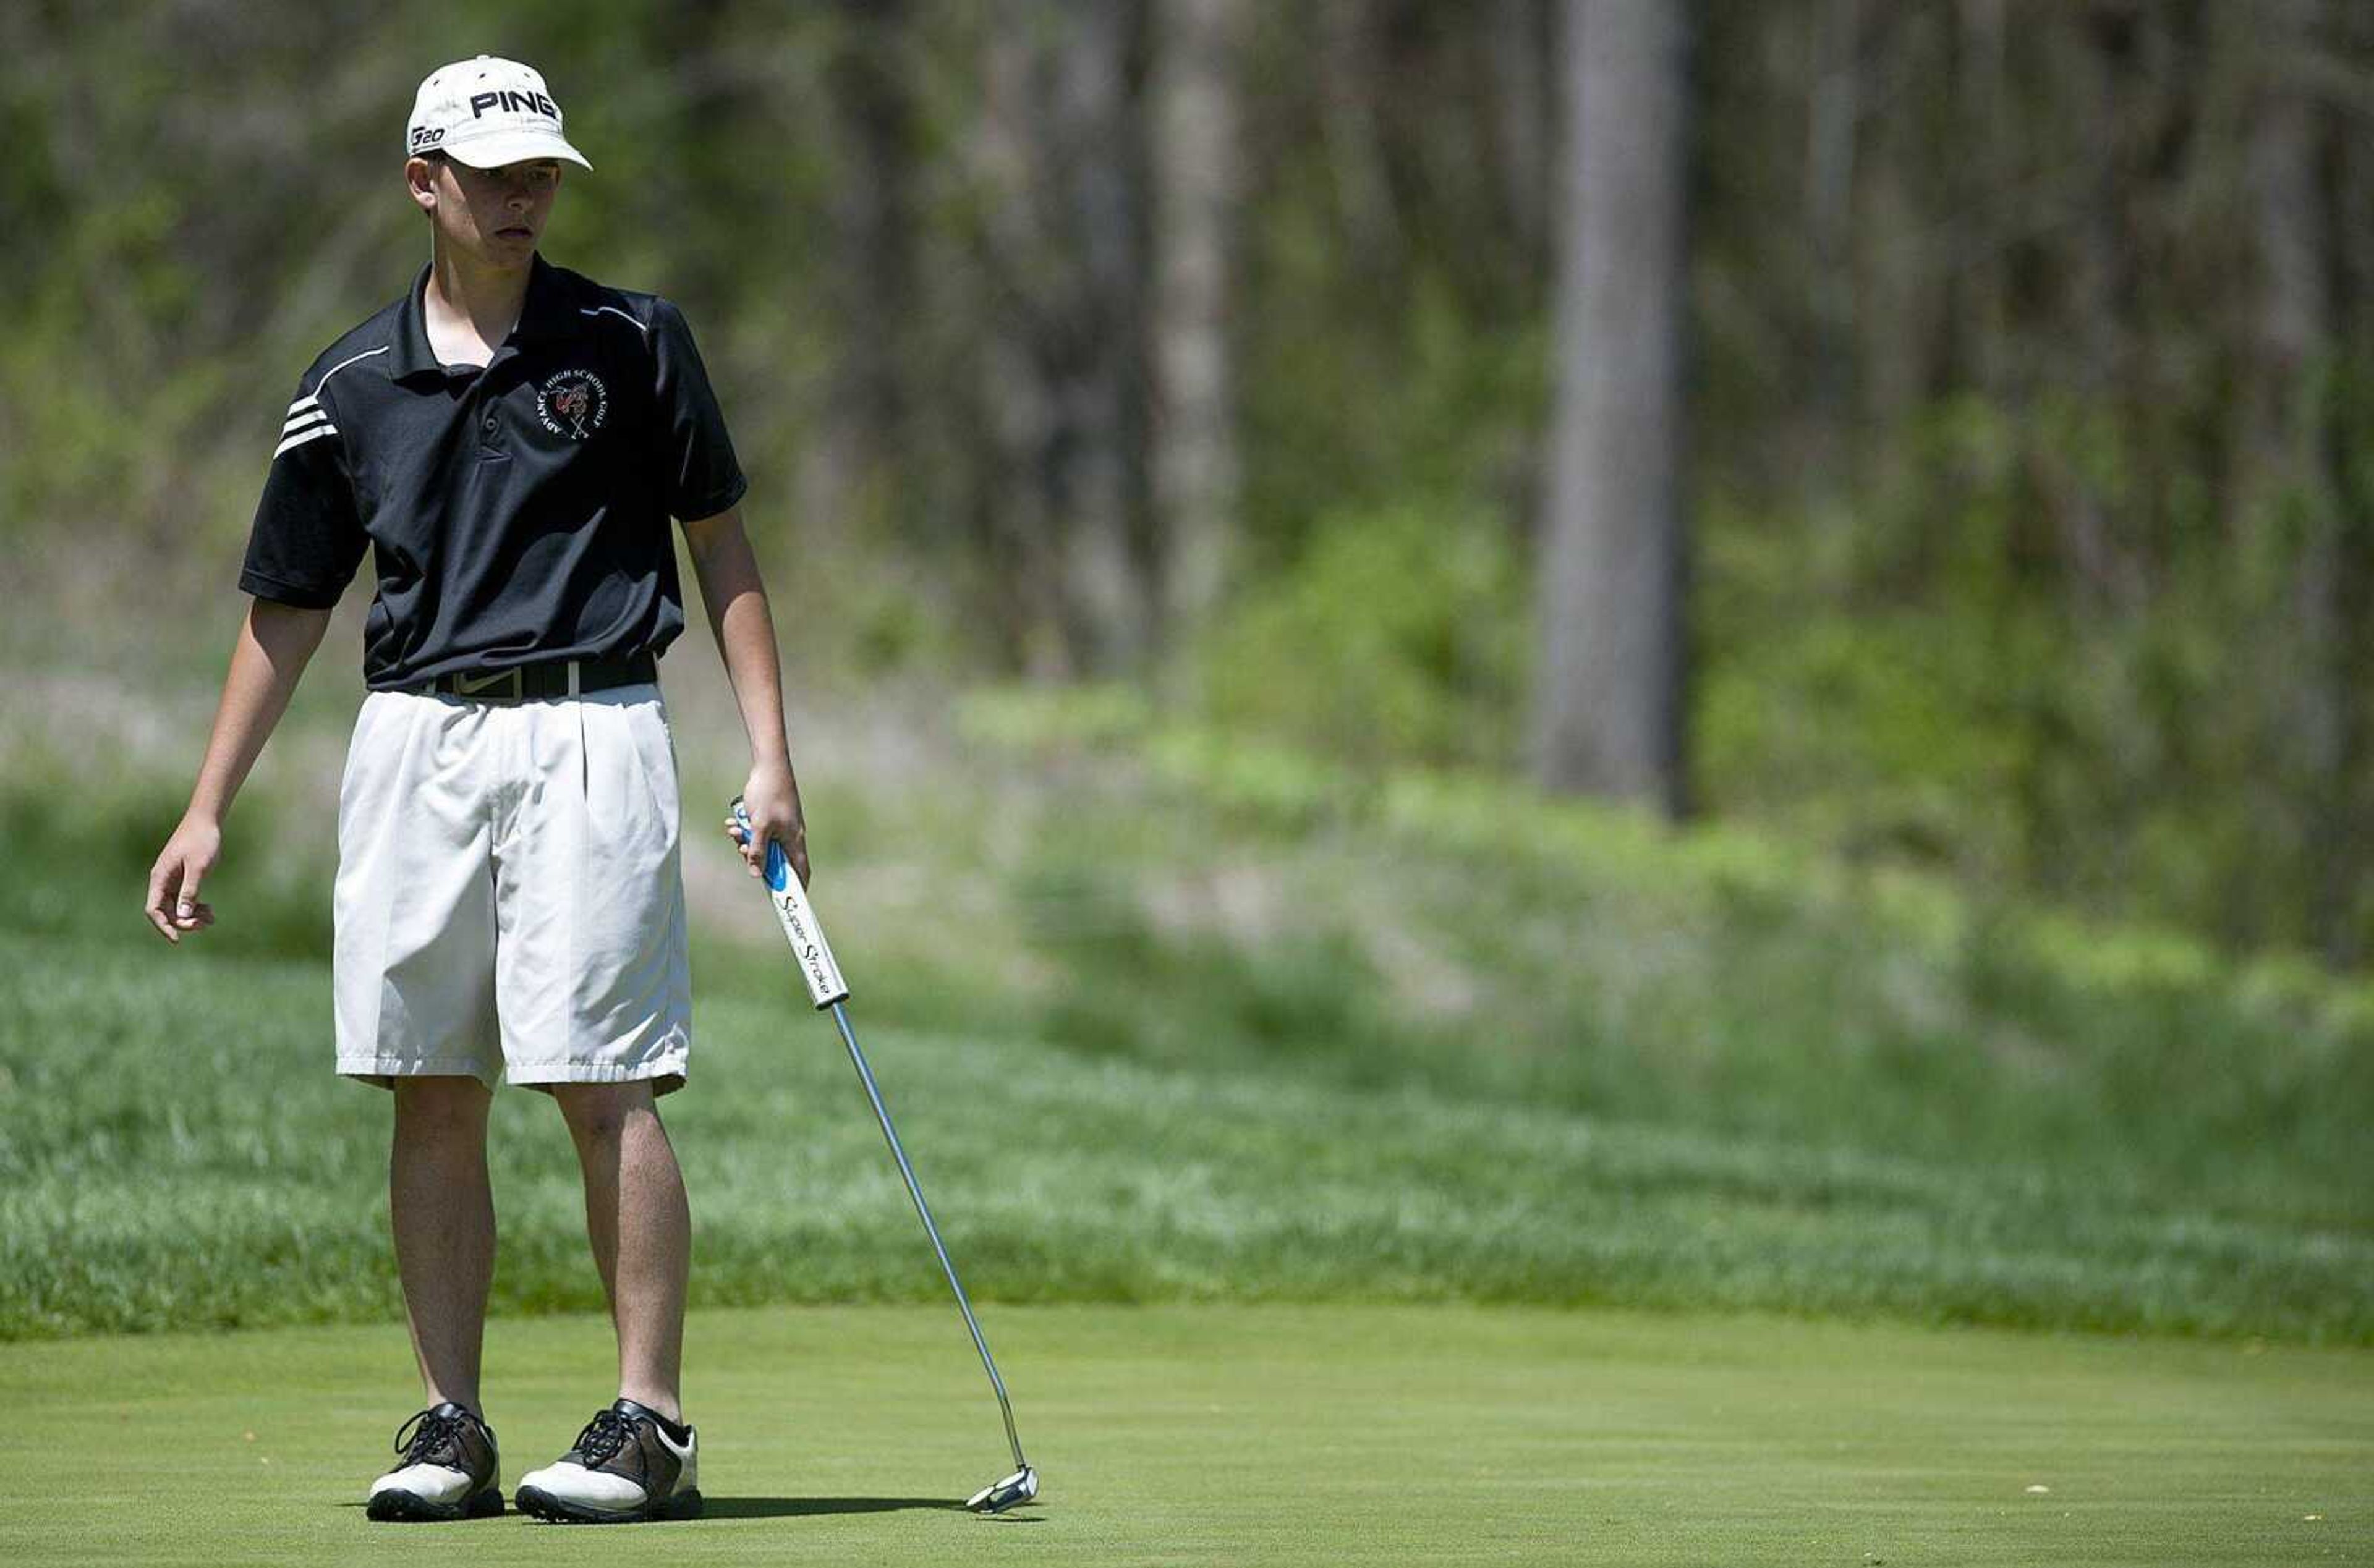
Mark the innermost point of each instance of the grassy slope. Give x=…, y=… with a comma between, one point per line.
x=1262, y=1434
x=176, y=1153
x=1165, y=1021
x=1389, y=926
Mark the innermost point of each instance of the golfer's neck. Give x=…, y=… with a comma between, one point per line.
x=463, y=289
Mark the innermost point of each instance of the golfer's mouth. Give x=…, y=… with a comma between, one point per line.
x=516, y=231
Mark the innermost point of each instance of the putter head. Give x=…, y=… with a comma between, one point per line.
x=1019, y=1487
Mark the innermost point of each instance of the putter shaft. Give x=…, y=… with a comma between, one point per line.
x=924, y=1212
x=827, y=987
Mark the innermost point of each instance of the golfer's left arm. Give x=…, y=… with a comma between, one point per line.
x=736, y=602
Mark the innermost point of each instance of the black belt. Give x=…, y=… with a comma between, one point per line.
x=538, y=682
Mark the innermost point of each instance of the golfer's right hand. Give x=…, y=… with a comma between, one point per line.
x=174, y=906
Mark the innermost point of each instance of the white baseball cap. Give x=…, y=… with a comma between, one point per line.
x=487, y=112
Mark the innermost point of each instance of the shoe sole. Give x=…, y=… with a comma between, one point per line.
x=537, y=1503
x=397, y=1506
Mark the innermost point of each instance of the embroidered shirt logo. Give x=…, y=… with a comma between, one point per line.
x=572, y=403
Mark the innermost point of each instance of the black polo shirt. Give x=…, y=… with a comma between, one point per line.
x=517, y=513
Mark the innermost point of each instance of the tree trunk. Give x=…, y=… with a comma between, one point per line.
x=1982, y=115
x=1350, y=81
x=2291, y=479
x=1066, y=244
x=1198, y=176
x=851, y=464
x=1833, y=123
x=1609, y=711
x=1523, y=74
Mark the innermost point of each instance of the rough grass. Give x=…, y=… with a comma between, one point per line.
x=1460, y=931
x=176, y=1153
x=1169, y=1020
x=1272, y=1435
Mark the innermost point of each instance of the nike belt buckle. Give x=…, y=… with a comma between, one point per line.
x=502, y=683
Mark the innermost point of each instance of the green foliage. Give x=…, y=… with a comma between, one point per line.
x=1399, y=635
x=1455, y=931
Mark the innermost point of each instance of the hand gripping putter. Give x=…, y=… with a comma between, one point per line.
x=825, y=986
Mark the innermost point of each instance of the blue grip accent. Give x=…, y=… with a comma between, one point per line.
x=778, y=865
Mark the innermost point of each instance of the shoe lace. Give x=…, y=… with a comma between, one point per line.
x=426, y=1435
x=604, y=1435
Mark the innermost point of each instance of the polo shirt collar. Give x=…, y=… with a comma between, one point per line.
x=544, y=315
x=412, y=354
x=548, y=314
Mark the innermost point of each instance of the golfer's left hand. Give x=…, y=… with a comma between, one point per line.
x=772, y=798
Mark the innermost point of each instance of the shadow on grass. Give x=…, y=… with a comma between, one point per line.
x=781, y=1508
x=715, y=1508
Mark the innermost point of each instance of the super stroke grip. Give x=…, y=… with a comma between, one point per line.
x=800, y=927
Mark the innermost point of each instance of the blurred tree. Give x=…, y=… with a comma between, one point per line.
x=1198, y=176
x=2289, y=471
x=1061, y=141
x=1521, y=37
x=1608, y=710
x=851, y=463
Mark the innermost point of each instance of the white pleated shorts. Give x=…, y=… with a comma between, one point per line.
x=509, y=899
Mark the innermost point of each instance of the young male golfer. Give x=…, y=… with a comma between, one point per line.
x=508, y=440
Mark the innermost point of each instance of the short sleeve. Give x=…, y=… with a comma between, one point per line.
x=307, y=537
x=703, y=477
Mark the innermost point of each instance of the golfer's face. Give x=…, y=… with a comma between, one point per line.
x=499, y=213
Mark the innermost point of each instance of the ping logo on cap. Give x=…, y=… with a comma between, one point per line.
x=514, y=102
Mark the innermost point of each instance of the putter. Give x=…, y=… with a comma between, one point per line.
x=825, y=986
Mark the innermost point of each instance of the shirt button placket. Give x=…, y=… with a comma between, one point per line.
x=490, y=429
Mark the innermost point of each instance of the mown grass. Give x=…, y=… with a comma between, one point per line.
x=1170, y=1021
x=1272, y=1434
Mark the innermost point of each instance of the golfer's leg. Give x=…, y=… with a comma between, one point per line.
x=443, y=1210
x=641, y=1226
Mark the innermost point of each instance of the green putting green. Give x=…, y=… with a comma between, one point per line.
x=1208, y=1434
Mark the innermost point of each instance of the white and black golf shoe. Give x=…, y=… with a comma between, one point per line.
x=629, y=1464
x=449, y=1471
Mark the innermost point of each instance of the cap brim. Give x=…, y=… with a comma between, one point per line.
x=513, y=146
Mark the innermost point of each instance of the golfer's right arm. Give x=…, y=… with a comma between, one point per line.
x=275, y=642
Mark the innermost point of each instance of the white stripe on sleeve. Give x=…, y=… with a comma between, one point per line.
x=311, y=416
x=301, y=436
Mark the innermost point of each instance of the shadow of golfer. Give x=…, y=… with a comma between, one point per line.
x=716, y=1507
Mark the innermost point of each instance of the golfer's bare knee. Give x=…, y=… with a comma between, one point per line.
x=441, y=1107
x=597, y=1113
